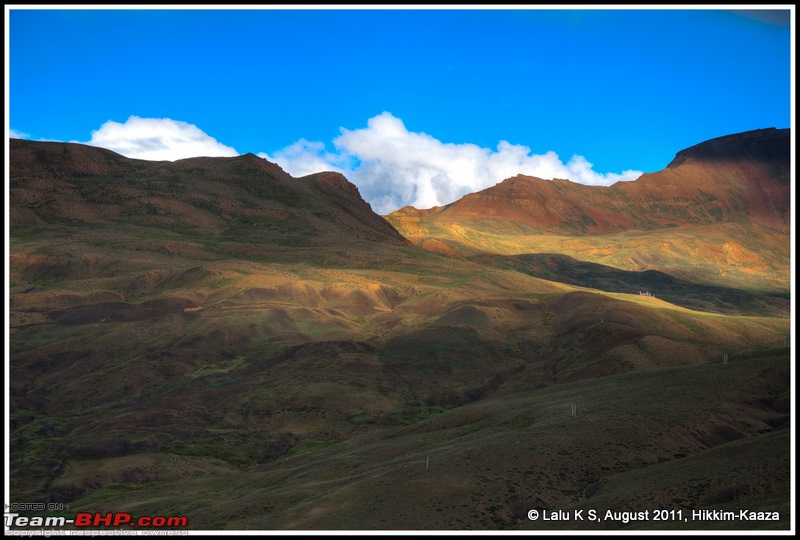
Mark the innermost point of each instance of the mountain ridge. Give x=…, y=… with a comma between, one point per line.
x=215, y=339
x=754, y=187
x=54, y=182
x=734, y=146
x=719, y=213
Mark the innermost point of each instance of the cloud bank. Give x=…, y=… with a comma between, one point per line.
x=394, y=167
x=158, y=139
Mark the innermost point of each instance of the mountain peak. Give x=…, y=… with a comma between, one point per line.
x=333, y=179
x=736, y=178
x=768, y=145
x=68, y=182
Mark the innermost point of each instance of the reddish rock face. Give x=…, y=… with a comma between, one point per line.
x=738, y=178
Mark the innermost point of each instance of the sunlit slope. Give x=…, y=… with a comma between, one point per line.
x=245, y=361
x=718, y=214
x=188, y=336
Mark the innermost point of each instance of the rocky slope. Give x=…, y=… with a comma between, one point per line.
x=719, y=214
x=72, y=183
x=213, y=338
x=737, y=178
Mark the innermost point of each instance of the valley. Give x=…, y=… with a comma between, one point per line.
x=213, y=338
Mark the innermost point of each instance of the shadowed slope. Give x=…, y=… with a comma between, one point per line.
x=63, y=160
x=214, y=338
x=76, y=184
x=699, y=437
x=565, y=269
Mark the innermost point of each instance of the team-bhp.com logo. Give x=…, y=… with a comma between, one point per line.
x=97, y=519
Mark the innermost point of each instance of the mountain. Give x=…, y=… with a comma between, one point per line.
x=213, y=338
x=738, y=178
x=718, y=213
x=60, y=182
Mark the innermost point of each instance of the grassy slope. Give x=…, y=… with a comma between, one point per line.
x=251, y=363
x=749, y=258
x=266, y=371
x=718, y=215
x=705, y=441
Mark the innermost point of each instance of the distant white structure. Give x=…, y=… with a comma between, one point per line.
x=646, y=293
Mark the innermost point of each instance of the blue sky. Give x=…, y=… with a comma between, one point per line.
x=415, y=106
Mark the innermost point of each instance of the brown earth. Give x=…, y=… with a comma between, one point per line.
x=214, y=338
x=740, y=178
x=719, y=213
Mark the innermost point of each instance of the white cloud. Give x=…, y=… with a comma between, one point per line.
x=394, y=167
x=158, y=139
x=12, y=134
x=306, y=157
